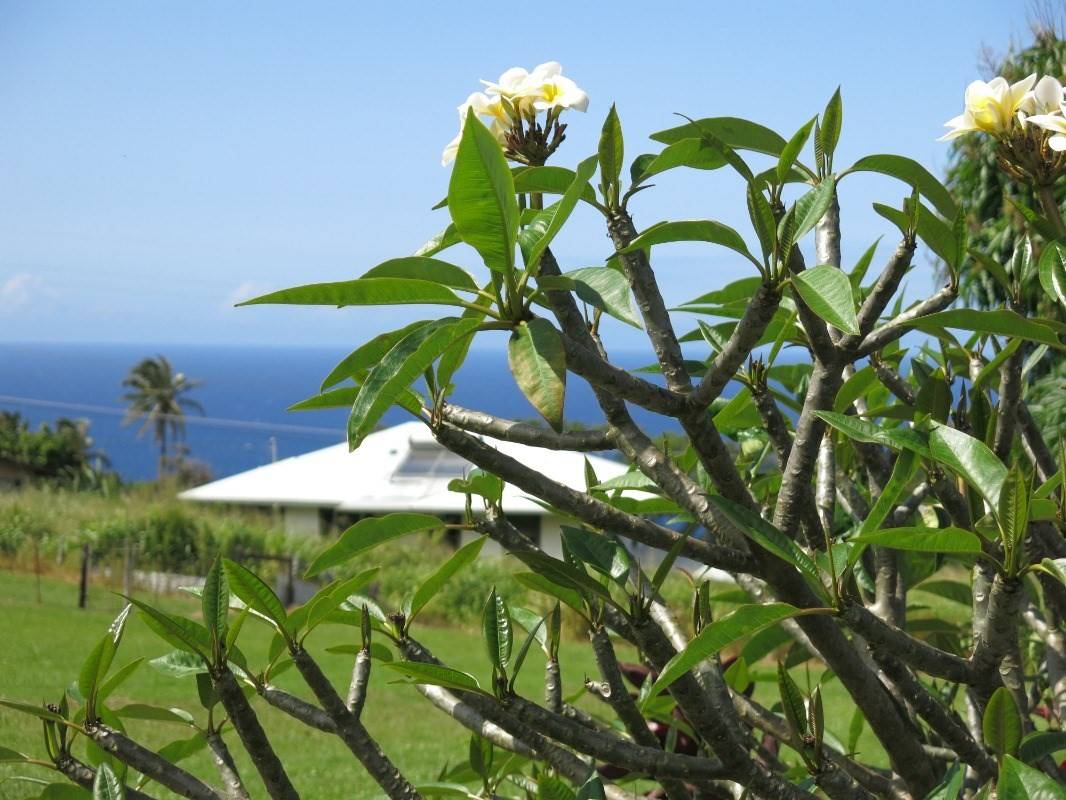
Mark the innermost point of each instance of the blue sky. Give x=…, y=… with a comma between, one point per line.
x=159, y=161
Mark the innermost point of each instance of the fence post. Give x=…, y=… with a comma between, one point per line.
x=83, y=587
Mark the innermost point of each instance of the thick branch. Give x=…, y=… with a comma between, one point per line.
x=227, y=769
x=151, y=765
x=360, y=678
x=507, y=430
x=894, y=329
x=253, y=737
x=82, y=774
x=352, y=732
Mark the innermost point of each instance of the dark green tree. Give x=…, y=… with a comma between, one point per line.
x=158, y=395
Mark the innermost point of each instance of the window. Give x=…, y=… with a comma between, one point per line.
x=430, y=460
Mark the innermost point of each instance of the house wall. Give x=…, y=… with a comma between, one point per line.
x=301, y=520
x=549, y=537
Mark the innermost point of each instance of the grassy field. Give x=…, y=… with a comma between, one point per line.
x=43, y=646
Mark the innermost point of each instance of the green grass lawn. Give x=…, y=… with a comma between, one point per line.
x=43, y=646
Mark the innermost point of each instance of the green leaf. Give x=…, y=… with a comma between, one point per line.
x=950, y=787
x=361, y=292
x=323, y=604
x=551, y=788
x=694, y=230
x=106, y=785
x=693, y=153
x=792, y=150
x=605, y=288
x=523, y=651
x=1020, y=782
x=1052, y=269
x=992, y=368
x=831, y=121
x=827, y=291
x=357, y=363
x=737, y=133
x=548, y=180
x=902, y=472
x=792, y=702
x=399, y=368
x=9, y=756
x=442, y=241
x=970, y=458
x=215, y=602
x=537, y=361
x=481, y=196
x=543, y=585
x=812, y=206
x=496, y=628
x=433, y=675
x=592, y=789
x=1013, y=510
x=550, y=221
x=154, y=713
x=33, y=710
x=999, y=322
x=533, y=623
x=1038, y=744
x=859, y=273
x=250, y=588
x=564, y=574
x=460, y=560
x=721, y=633
x=183, y=634
x=425, y=269
x=96, y=665
x=611, y=152
x=477, y=481
x=924, y=540
x=1002, y=724
x=912, y=173
x=762, y=219
x=863, y=431
x=63, y=791
x=367, y=534
x=183, y=748
x=768, y=537
x=599, y=552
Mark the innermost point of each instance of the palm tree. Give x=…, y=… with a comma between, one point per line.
x=158, y=396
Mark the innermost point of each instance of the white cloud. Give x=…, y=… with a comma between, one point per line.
x=19, y=291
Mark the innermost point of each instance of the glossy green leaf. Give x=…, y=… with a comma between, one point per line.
x=398, y=369
x=250, y=588
x=693, y=153
x=1013, y=508
x=442, y=241
x=737, y=133
x=1000, y=322
x=477, y=481
x=214, y=602
x=367, y=534
x=598, y=551
x=812, y=206
x=9, y=756
x=1020, y=782
x=912, y=173
x=496, y=630
x=970, y=458
x=871, y=433
x=154, y=713
x=183, y=748
x=924, y=540
x=605, y=288
x=1001, y=723
x=182, y=633
x=903, y=470
x=1038, y=744
x=767, y=536
x=538, y=363
x=695, y=230
x=433, y=675
x=827, y=292
x=792, y=149
x=481, y=196
x=563, y=574
x=950, y=786
x=543, y=585
x=460, y=560
x=831, y=122
x=29, y=708
x=106, y=785
x=721, y=633
x=549, y=180
x=611, y=151
x=1052, y=269
x=361, y=292
x=792, y=702
x=550, y=221
x=424, y=269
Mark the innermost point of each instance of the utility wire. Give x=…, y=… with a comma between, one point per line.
x=217, y=422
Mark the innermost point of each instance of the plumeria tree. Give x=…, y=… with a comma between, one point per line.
x=850, y=494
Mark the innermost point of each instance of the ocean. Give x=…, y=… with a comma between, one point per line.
x=244, y=392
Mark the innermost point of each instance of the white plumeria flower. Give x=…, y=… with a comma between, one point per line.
x=483, y=106
x=990, y=107
x=1045, y=98
x=1056, y=123
x=558, y=92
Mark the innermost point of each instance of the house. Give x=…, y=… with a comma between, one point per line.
x=401, y=468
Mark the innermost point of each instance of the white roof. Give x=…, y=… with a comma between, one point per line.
x=397, y=469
